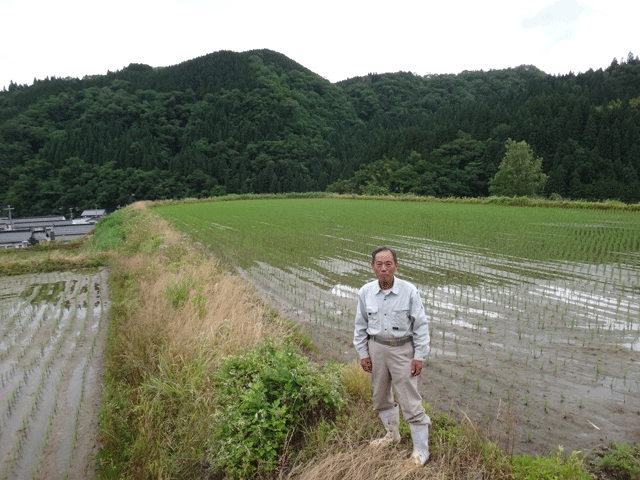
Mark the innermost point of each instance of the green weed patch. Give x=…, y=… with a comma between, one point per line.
x=620, y=461
x=266, y=396
x=557, y=466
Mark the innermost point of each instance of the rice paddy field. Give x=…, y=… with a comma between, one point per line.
x=53, y=328
x=534, y=312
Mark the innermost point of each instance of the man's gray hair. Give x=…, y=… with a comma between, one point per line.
x=383, y=248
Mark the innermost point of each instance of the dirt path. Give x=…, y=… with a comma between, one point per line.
x=53, y=329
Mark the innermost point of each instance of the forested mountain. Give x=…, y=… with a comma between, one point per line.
x=445, y=135
x=259, y=122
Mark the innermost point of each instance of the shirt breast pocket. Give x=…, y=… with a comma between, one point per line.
x=401, y=319
x=373, y=317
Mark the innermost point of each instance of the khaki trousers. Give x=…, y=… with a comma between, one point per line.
x=392, y=370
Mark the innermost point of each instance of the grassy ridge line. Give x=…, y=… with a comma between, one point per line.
x=509, y=201
x=174, y=316
x=49, y=258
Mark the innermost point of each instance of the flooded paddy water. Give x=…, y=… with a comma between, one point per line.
x=53, y=328
x=544, y=353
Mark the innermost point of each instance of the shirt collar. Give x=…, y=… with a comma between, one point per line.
x=393, y=289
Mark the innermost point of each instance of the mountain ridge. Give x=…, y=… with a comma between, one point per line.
x=257, y=121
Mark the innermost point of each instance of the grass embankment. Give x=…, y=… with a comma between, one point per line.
x=202, y=378
x=49, y=258
x=205, y=381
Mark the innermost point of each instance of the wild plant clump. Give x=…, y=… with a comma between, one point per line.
x=620, y=460
x=554, y=466
x=266, y=395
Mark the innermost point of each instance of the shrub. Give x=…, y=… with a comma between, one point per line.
x=265, y=396
x=620, y=460
x=555, y=197
x=550, y=468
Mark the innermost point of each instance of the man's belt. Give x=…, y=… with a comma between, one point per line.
x=396, y=342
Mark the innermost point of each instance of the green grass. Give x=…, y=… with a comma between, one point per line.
x=49, y=258
x=311, y=232
x=552, y=467
x=619, y=460
x=110, y=231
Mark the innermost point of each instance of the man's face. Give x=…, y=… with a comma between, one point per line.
x=384, y=267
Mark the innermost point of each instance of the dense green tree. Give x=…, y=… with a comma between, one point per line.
x=520, y=172
x=557, y=182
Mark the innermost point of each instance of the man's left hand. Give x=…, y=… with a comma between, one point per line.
x=416, y=368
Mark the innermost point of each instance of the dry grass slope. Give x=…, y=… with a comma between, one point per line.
x=175, y=315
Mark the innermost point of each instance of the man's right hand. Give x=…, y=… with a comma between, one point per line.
x=366, y=364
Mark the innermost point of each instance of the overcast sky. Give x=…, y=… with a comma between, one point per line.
x=336, y=39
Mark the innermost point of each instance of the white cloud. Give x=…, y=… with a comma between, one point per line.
x=558, y=21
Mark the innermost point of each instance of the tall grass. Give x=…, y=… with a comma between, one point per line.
x=49, y=258
x=159, y=398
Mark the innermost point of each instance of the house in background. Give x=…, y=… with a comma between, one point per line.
x=90, y=216
x=18, y=239
x=23, y=232
x=7, y=223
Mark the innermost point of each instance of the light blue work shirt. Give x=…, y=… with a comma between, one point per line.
x=390, y=314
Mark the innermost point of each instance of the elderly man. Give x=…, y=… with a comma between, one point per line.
x=392, y=339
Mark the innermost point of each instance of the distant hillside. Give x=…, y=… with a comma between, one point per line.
x=259, y=122
x=444, y=135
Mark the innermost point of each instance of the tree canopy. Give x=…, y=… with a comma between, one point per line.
x=520, y=172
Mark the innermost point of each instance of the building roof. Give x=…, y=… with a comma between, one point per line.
x=27, y=222
x=50, y=218
x=10, y=237
x=99, y=212
x=39, y=224
x=65, y=231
